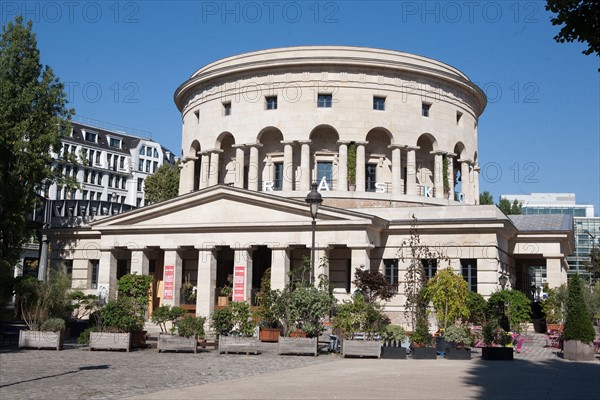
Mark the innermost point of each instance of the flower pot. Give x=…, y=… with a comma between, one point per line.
x=576, y=350
x=176, y=343
x=393, y=353
x=452, y=353
x=269, y=334
x=41, y=339
x=238, y=344
x=351, y=187
x=361, y=348
x=423, y=353
x=497, y=353
x=298, y=333
x=110, y=341
x=297, y=345
x=222, y=301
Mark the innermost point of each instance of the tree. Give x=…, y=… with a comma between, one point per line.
x=373, y=285
x=486, y=198
x=515, y=208
x=163, y=184
x=511, y=305
x=448, y=292
x=581, y=20
x=593, y=266
x=578, y=324
x=33, y=114
x=509, y=208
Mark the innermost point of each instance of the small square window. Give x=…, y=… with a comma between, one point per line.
x=227, y=108
x=114, y=142
x=458, y=117
x=324, y=100
x=90, y=137
x=271, y=102
x=378, y=103
x=425, y=109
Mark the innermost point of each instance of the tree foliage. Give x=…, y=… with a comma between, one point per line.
x=486, y=198
x=593, y=266
x=510, y=304
x=163, y=184
x=358, y=315
x=32, y=112
x=373, y=285
x=448, y=292
x=509, y=208
x=477, y=308
x=578, y=324
x=581, y=20
x=554, y=304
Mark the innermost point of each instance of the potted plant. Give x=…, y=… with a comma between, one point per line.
x=81, y=306
x=496, y=341
x=43, y=306
x=185, y=331
x=225, y=292
x=235, y=327
x=137, y=288
x=269, y=323
x=579, y=331
x=458, y=337
x=115, y=324
x=188, y=291
x=393, y=336
x=421, y=345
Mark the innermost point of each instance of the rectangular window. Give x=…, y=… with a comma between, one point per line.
x=141, y=165
x=138, y=202
x=325, y=170
x=324, y=100
x=91, y=156
x=109, y=160
x=85, y=194
x=227, y=108
x=391, y=271
x=147, y=165
x=370, y=177
x=110, y=180
x=142, y=150
x=278, y=175
x=90, y=137
x=271, y=102
x=425, y=109
x=93, y=177
x=123, y=268
x=68, y=269
x=114, y=142
x=99, y=196
x=430, y=267
x=94, y=267
x=155, y=153
x=140, y=182
x=123, y=183
x=122, y=163
x=98, y=155
x=149, y=151
x=154, y=166
x=378, y=103
x=469, y=272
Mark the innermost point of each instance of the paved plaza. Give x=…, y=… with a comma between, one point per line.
x=75, y=373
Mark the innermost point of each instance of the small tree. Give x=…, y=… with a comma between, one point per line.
x=163, y=184
x=555, y=303
x=448, y=292
x=373, y=285
x=477, y=308
x=510, y=307
x=578, y=325
x=593, y=266
x=486, y=198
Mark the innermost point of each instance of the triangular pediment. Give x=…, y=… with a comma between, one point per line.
x=222, y=206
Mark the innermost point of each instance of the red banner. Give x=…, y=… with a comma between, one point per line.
x=239, y=283
x=169, y=282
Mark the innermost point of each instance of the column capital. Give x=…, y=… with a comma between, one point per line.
x=412, y=148
x=361, y=143
x=291, y=142
x=239, y=146
x=346, y=142
x=304, y=141
x=361, y=247
x=451, y=154
x=188, y=158
x=438, y=153
x=465, y=160
x=253, y=145
x=476, y=167
x=211, y=151
x=396, y=146
x=206, y=248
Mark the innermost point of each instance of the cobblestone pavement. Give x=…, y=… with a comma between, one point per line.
x=75, y=373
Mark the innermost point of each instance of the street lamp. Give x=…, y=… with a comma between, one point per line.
x=503, y=280
x=314, y=200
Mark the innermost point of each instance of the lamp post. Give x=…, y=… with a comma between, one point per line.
x=314, y=200
x=503, y=280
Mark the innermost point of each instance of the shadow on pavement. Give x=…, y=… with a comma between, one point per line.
x=87, y=368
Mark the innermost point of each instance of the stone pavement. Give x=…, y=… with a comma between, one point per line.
x=75, y=373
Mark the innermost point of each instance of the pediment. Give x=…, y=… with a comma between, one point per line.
x=225, y=206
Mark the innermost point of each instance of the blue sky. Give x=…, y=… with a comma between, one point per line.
x=122, y=61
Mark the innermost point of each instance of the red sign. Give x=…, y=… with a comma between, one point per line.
x=239, y=283
x=169, y=282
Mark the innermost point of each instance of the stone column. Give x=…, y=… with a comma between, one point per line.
x=243, y=257
x=213, y=178
x=451, y=175
x=360, y=260
x=476, y=183
x=186, y=181
x=396, y=168
x=43, y=265
x=556, y=274
x=411, y=171
x=342, y=178
x=107, y=275
x=288, y=166
x=305, y=175
x=280, y=266
x=360, y=166
x=204, y=169
x=172, y=258
x=253, y=167
x=438, y=174
x=239, y=166
x=139, y=260
x=465, y=176
x=207, y=281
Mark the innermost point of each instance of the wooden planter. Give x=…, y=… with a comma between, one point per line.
x=497, y=353
x=168, y=342
x=269, y=334
x=41, y=339
x=576, y=350
x=238, y=344
x=423, y=353
x=361, y=348
x=110, y=341
x=298, y=346
x=393, y=353
x=452, y=353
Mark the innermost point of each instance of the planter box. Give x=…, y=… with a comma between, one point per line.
x=497, y=353
x=423, y=353
x=238, y=344
x=393, y=353
x=168, y=342
x=299, y=346
x=441, y=344
x=41, y=339
x=138, y=338
x=452, y=353
x=110, y=341
x=578, y=351
x=361, y=348
x=269, y=334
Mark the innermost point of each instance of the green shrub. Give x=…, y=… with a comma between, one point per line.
x=84, y=337
x=163, y=314
x=458, y=334
x=117, y=316
x=359, y=316
x=477, y=308
x=393, y=333
x=222, y=321
x=578, y=324
x=512, y=305
x=190, y=325
x=54, y=325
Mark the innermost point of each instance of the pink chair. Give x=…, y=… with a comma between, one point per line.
x=520, y=339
